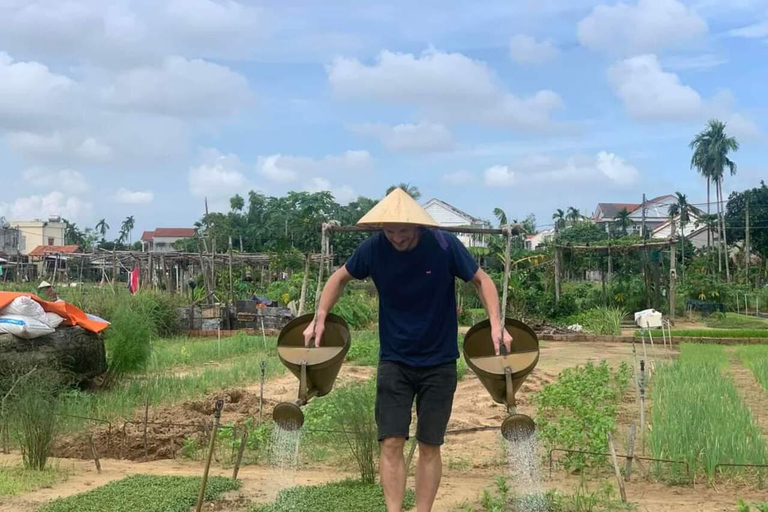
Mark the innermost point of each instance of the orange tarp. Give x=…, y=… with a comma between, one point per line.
x=71, y=314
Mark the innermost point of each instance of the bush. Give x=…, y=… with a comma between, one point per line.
x=345, y=496
x=358, y=309
x=129, y=341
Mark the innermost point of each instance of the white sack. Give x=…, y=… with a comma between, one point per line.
x=53, y=320
x=24, y=326
x=24, y=306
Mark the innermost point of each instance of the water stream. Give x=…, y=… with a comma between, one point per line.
x=525, y=475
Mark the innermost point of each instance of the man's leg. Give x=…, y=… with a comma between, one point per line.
x=428, y=475
x=394, y=399
x=392, y=469
x=434, y=401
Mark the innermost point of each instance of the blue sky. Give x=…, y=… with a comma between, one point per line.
x=143, y=108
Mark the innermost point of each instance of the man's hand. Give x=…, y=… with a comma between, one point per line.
x=314, y=330
x=496, y=333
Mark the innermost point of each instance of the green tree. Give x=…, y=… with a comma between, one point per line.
x=411, y=190
x=559, y=218
x=73, y=235
x=680, y=212
x=623, y=220
x=237, y=203
x=711, y=148
x=573, y=215
x=102, y=227
x=501, y=216
x=125, y=229
x=735, y=218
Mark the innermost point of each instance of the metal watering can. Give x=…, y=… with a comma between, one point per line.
x=503, y=375
x=315, y=367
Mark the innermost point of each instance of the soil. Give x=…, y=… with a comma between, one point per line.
x=471, y=460
x=751, y=392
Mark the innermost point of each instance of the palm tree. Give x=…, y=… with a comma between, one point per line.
x=126, y=228
x=102, y=227
x=559, y=218
x=411, y=190
x=501, y=215
x=710, y=158
x=573, y=215
x=623, y=220
x=682, y=209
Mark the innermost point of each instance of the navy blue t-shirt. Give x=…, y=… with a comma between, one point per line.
x=417, y=298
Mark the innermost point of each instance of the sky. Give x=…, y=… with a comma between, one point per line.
x=147, y=107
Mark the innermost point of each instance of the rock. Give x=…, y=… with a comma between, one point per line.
x=72, y=349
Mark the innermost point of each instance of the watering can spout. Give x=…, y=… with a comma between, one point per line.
x=503, y=375
x=315, y=367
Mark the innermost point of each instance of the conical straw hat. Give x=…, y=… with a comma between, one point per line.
x=397, y=208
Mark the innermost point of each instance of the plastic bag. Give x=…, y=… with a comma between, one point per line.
x=24, y=326
x=25, y=306
x=53, y=320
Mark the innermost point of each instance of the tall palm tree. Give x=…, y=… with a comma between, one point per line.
x=623, y=220
x=102, y=227
x=682, y=209
x=559, y=218
x=573, y=215
x=710, y=158
x=126, y=228
x=501, y=215
x=411, y=190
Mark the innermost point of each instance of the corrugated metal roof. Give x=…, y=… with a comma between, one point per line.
x=42, y=250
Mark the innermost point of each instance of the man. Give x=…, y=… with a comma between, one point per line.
x=49, y=291
x=414, y=268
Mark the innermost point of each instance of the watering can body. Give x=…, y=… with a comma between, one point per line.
x=503, y=375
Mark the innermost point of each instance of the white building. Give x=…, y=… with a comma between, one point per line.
x=163, y=239
x=447, y=215
x=534, y=241
x=34, y=233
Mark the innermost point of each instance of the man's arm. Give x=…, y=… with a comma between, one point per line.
x=489, y=295
x=328, y=298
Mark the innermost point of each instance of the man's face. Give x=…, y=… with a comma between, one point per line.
x=403, y=237
x=50, y=292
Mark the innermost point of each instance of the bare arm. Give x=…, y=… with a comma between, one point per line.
x=328, y=298
x=489, y=295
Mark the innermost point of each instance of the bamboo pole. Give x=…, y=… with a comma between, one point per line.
x=211, y=446
x=619, y=480
x=630, y=453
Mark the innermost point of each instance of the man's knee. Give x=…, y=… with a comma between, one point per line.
x=429, y=452
x=392, y=446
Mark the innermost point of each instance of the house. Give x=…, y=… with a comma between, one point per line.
x=51, y=259
x=35, y=233
x=9, y=239
x=534, y=241
x=447, y=215
x=656, y=218
x=163, y=239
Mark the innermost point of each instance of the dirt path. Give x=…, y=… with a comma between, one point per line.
x=751, y=392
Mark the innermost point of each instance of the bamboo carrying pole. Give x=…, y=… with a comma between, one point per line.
x=211, y=446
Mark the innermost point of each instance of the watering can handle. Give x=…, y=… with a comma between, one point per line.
x=503, y=348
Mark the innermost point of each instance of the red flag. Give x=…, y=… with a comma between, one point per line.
x=134, y=285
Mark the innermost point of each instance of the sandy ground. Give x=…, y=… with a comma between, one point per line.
x=471, y=460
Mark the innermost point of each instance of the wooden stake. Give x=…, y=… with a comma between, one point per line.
x=146, y=425
x=414, y=444
x=673, y=273
x=304, y=283
x=630, y=453
x=211, y=446
x=620, y=480
x=240, y=452
x=231, y=283
x=94, y=454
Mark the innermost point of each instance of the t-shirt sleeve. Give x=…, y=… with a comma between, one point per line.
x=463, y=265
x=359, y=264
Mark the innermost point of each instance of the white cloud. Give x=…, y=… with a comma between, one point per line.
x=182, y=88
x=218, y=177
x=445, y=86
x=125, y=196
x=35, y=144
x=652, y=94
x=616, y=169
x=286, y=168
x=741, y=127
x=526, y=50
x=695, y=62
x=499, y=176
x=756, y=31
x=58, y=145
x=644, y=27
x=30, y=94
x=409, y=138
x=91, y=150
x=343, y=194
x=42, y=207
x=65, y=180
x=458, y=178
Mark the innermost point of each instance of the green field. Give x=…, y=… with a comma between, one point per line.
x=709, y=333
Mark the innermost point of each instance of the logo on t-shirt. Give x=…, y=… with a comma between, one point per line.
x=429, y=272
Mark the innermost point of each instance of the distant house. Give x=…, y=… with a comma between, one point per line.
x=9, y=240
x=51, y=259
x=447, y=215
x=163, y=239
x=656, y=218
x=534, y=241
x=34, y=233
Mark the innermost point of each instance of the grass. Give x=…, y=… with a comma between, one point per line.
x=143, y=493
x=736, y=321
x=17, y=480
x=756, y=359
x=185, y=351
x=344, y=496
x=711, y=333
x=698, y=415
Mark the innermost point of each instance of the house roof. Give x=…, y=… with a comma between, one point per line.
x=147, y=236
x=42, y=250
x=175, y=232
x=610, y=210
x=455, y=210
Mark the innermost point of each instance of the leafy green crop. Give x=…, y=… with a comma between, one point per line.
x=578, y=410
x=344, y=496
x=711, y=333
x=755, y=358
x=143, y=493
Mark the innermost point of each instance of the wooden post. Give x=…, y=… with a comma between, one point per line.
x=620, y=481
x=94, y=454
x=746, y=242
x=240, y=452
x=114, y=267
x=304, y=283
x=231, y=283
x=558, y=255
x=630, y=453
x=414, y=444
x=146, y=425
x=241, y=244
x=151, y=272
x=202, y=268
x=672, y=275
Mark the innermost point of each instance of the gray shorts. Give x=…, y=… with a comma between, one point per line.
x=396, y=386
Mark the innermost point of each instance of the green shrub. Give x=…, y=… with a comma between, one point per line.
x=129, y=341
x=364, y=349
x=345, y=496
x=358, y=309
x=144, y=493
x=600, y=321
